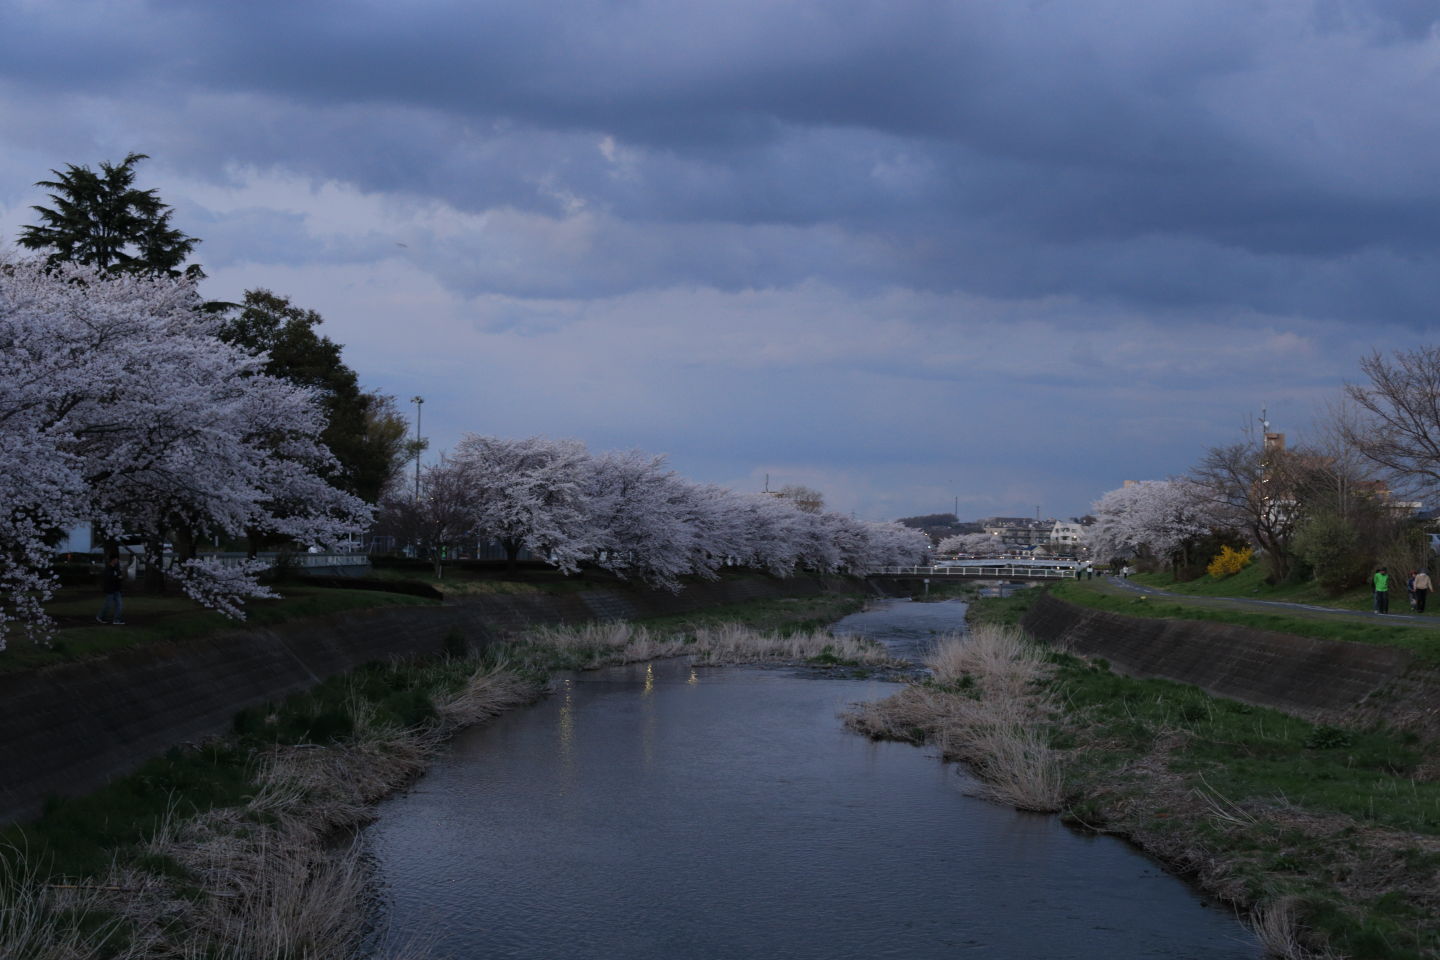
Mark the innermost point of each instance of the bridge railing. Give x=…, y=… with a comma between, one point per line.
x=1008, y=571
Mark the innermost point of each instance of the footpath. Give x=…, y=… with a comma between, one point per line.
x=1120, y=585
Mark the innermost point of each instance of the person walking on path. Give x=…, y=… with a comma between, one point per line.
x=1422, y=590
x=1382, y=591
x=114, y=587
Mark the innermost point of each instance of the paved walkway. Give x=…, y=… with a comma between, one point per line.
x=1399, y=604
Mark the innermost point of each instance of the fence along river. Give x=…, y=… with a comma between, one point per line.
x=660, y=811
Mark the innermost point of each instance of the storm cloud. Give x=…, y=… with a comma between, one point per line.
x=906, y=252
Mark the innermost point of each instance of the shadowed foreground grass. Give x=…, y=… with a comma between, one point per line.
x=170, y=618
x=1330, y=837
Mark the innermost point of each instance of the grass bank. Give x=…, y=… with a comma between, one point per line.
x=1328, y=837
x=1423, y=641
x=169, y=618
x=1250, y=584
x=244, y=847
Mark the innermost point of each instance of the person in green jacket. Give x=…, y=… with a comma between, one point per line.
x=1382, y=591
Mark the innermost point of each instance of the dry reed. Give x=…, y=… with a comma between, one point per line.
x=984, y=709
x=733, y=643
x=599, y=644
x=38, y=920
x=1277, y=926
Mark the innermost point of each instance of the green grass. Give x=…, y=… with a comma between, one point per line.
x=1262, y=760
x=940, y=592
x=1256, y=752
x=1423, y=641
x=1006, y=611
x=1250, y=584
x=1366, y=900
x=173, y=618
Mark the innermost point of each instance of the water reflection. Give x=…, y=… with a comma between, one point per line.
x=657, y=811
x=565, y=721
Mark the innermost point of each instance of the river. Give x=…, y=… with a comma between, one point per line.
x=664, y=811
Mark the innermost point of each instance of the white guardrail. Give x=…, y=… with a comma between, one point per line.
x=1009, y=571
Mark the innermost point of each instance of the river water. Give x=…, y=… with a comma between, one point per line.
x=665, y=811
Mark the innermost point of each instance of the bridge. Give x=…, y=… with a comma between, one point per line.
x=1001, y=571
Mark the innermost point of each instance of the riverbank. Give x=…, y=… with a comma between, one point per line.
x=239, y=847
x=1328, y=836
x=72, y=726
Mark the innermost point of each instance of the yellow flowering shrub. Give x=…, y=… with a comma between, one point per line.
x=1229, y=562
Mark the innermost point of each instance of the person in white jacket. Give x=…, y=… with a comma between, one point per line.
x=1422, y=588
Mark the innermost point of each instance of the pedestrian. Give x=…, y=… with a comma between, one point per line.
x=114, y=586
x=1422, y=590
x=1382, y=590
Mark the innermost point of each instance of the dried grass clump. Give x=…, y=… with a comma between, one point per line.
x=601, y=644
x=38, y=920
x=993, y=723
x=999, y=654
x=734, y=643
x=1014, y=764
x=487, y=694
x=283, y=899
x=1277, y=926
x=604, y=644
x=912, y=715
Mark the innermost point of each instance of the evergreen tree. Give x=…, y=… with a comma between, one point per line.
x=102, y=220
x=363, y=430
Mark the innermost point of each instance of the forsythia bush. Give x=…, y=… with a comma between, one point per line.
x=1229, y=562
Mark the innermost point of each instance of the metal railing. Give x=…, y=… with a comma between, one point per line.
x=301, y=559
x=1008, y=571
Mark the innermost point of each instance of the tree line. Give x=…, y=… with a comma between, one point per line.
x=1329, y=510
x=628, y=513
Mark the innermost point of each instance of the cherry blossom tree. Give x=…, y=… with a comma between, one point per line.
x=529, y=493
x=1154, y=517
x=643, y=520
x=121, y=408
x=975, y=543
x=892, y=545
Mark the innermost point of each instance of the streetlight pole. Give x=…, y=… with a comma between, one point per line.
x=418, y=401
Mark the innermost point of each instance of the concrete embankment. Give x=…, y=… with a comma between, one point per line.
x=71, y=728
x=1324, y=680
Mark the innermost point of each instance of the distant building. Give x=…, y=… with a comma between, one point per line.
x=1067, y=536
x=1019, y=533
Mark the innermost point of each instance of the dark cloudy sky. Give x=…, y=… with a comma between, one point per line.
x=1006, y=251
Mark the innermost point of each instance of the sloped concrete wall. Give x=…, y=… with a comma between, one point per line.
x=1300, y=675
x=69, y=729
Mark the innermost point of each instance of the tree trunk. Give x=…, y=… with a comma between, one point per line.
x=512, y=556
x=185, y=542
x=154, y=566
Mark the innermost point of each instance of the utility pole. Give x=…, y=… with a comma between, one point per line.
x=418, y=401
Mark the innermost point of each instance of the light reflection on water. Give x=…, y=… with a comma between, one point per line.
x=663, y=811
